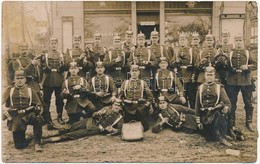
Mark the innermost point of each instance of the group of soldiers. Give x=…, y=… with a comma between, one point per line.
x=191, y=88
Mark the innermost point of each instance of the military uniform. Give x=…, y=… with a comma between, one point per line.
x=211, y=100
x=137, y=98
x=108, y=122
x=77, y=99
x=117, y=70
x=18, y=100
x=128, y=47
x=180, y=118
x=240, y=80
x=53, y=68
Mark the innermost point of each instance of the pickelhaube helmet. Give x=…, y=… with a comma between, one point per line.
x=53, y=39
x=117, y=37
x=239, y=36
x=19, y=73
x=225, y=32
x=209, y=35
x=99, y=64
x=182, y=35
x=129, y=31
x=134, y=66
x=73, y=64
x=140, y=35
x=210, y=69
x=195, y=34
x=76, y=36
x=154, y=33
x=162, y=98
x=163, y=58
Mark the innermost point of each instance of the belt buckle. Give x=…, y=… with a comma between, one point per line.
x=118, y=68
x=54, y=70
x=141, y=67
x=184, y=67
x=238, y=70
x=164, y=90
x=135, y=102
x=80, y=67
x=76, y=96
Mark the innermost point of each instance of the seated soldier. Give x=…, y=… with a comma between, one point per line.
x=137, y=98
x=108, y=121
x=76, y=90
x=178, y=117
x=212, y=104
x=23, y=108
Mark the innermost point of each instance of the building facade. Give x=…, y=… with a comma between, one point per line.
x=169, y=18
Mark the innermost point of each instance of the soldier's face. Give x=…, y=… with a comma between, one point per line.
x=154, y=39
x=116, y=107
x=163, y=105
x=23, y=50
x=163, y=64
x=128, y=38
x=209, y=42
x=117, y=44
x=239, y=43
x=53, y=45
x=76, y=42
x=135, y=73
x=100, y=70
x=74, y=71
x=20, y=81
x=225, y=38
x=97, y=40
x=183, y=42
x=195, y=41
x=140, y=42
x=209, y=77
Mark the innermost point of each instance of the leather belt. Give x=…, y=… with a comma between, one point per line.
x=54, y=70
x=118, y=68
x=76, y=96
x=183, y=67
x=239, y=70
x=141, y=67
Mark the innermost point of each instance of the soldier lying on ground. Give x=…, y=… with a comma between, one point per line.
x=108, y=120
x=178, y=117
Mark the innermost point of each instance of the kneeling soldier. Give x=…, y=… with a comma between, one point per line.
x=106, y=121
x=178, y=117
x=212, y=104
x=137, y=98
x=76, y=90
x=23, y=108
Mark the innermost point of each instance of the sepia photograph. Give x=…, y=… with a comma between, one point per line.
x=129, y=81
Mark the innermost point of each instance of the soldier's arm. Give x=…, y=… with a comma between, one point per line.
x=224, y=97
x=182, y=108
x=28, y=69
x=112, y=87
x=252, y=65
x=158, y=126
x=197, y=105
x=121, y=93
x=130, y=60
x=107, y=61
x=153, y=60
x=148, y=93
x=6, y=96
x=178, y=85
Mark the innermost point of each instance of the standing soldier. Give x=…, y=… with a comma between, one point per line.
x=115, y=62
x=78, y=55
x=168, y=49
x=53, y=77
x=185, y=60
x=144, y=58
x=239, y=79
x=137, y=98
x=212, y=104
x=206, y=57
x=128, y=45
x=98, y=50
x=23, y=108
x=102, y=87
x=195, y=43
x=76, y=90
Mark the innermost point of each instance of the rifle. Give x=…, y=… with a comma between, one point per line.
x=11, y=112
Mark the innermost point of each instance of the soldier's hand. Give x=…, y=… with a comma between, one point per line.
x=118, y=59
x=200, y=126
x=82, y=55
x=113, y=99
x=225, y=110
x=244, y=67
x=65, y=91
x=85, y=61
x=76, y=87
x=35, y=62
x=183, y=100
x=165, y=119
x=100, y=94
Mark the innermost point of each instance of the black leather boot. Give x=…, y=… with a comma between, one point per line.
x=60, y=120
x=249, y=119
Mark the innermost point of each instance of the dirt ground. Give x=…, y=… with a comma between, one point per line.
x=167, y=146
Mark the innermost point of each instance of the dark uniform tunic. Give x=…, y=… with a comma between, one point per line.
x=98, y=53
x=104, y=84
x=117, y=70
x=20, y=99
x=52, y=80
x=238, y=80
x=214, y=122
x=74, y=55
x=77, y=100
x=146, y=70
x=158, y=51
x=168, y=85
x=127, y=48
x=137, y=93
x=179, y=116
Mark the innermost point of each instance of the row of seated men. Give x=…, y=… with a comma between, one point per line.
x=104, y=89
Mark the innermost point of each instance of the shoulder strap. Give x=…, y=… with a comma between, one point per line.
x=125, y=86
x=30, y=95
x=20, y=64
x=200, y=94
x=107, y=83
x=71, y=54
x=149, y=55
x=11, y=96
x=161, y=50
x=62, y=57
x=200, y=54
x=171, y=75
x=142, y=89
x=46, y=59
x=93, y=84
x=81, y=81
x=123, y=52
x=110, y=55
x=218, y=93
x=157, y=78
x=230, y=58
x=191, y=55
x=66, y=84
x=247, y=57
